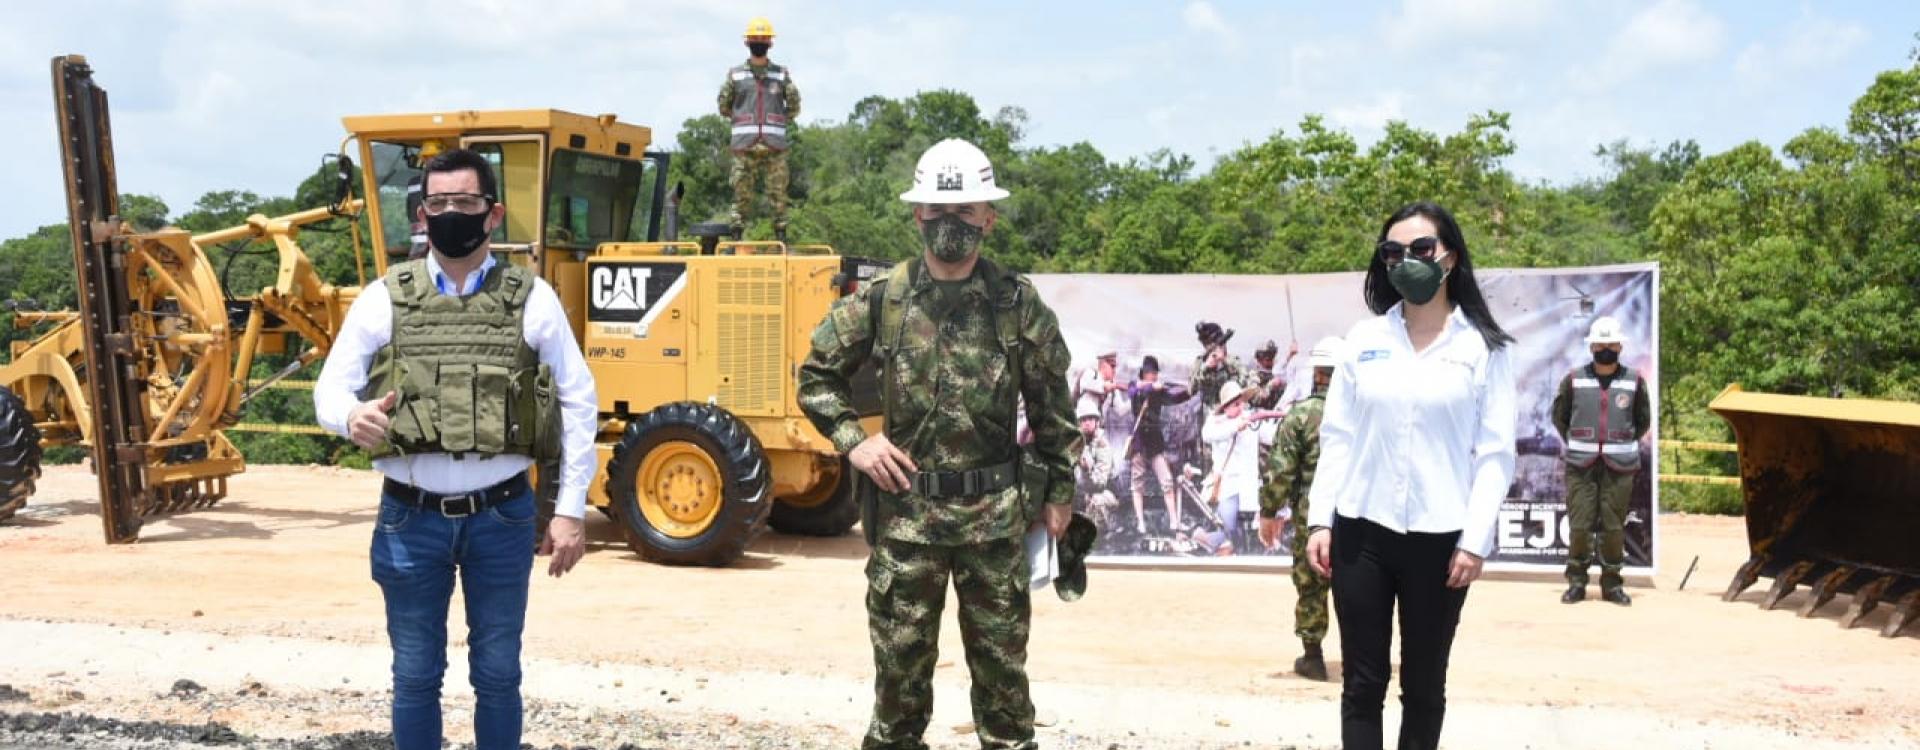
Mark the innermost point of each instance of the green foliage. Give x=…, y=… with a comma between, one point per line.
x=1783, y=272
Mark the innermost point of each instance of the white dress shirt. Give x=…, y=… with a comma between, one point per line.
x=369, y=327
x=1418, y=441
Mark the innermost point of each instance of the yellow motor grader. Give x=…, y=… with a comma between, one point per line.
x=694, y=344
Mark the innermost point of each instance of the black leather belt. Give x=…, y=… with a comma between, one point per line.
x=941, y=485
x=458, y=504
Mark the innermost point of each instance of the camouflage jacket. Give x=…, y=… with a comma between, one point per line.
x=1295, y=454
x=1206, y=383
x=952, y=407
x=1095, y=467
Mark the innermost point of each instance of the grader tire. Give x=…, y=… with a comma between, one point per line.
x=690, y=485
x=19, y=453
x=834, y=515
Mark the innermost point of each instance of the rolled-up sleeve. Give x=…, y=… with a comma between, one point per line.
x=1493, y=454
x=550, y=335
x=367, y=327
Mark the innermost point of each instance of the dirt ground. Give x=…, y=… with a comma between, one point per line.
x=266, y=603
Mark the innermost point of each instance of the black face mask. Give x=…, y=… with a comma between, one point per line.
x=457, y=235
x=758, y=49
x=1606, y=357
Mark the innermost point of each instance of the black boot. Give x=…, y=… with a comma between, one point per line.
x=1311, y=664
x=1617, y=595
x=1576, y=592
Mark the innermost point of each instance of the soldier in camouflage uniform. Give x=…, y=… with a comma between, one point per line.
x=1213, y=369
x=1094, y=469
x=959, y=341
x=1296, y=452
x=760, y=100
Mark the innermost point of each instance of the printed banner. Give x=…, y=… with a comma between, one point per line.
x=1154, y=500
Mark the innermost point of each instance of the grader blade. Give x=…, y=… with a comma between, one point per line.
x=112, y=383
x=1830, y=489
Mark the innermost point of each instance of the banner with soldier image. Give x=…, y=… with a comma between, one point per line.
x=1144, y=383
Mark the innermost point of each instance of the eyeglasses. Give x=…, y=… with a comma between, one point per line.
x=466, y=203
x=1393, y=253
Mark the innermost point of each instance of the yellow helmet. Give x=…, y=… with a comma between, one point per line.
x=760, y=27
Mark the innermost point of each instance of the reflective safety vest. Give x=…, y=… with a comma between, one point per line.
x=467, y=381
x=759, y=107
x=1602, y=424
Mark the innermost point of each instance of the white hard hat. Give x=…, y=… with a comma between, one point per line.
x=1606, y=330
x=1327, y=352
x=953, y=171
x=1086, y=411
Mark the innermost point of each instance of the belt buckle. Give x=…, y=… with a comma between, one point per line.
x=472, y=500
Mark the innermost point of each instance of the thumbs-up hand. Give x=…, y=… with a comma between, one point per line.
x=367, y=425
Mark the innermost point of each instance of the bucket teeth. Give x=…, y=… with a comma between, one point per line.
x=1865, y=599
x=1783, y=584
x=1744, y=577
x=1825, y=588
x=1908, y=609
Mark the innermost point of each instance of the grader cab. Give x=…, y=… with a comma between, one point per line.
x=693, y=344
x=1830, y=488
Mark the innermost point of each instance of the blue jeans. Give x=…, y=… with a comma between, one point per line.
x=415, y=553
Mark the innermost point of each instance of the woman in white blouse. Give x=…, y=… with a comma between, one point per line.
x=1416, y=453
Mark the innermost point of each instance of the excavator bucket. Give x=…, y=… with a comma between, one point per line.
x=1832, y=495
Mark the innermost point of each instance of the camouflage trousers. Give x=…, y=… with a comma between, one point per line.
x=906, y=591
x=769, y=168
x=1597, y=496
x=1310, y=611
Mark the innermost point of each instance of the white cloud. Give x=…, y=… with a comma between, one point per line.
x=1811, y=44
x=1666, y=34
x=1202, y=17
x=1422, y=22
x=1370, y=116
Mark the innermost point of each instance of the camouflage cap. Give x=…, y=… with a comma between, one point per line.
x=1075, y=546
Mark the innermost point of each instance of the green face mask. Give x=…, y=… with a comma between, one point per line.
x=1417, y=279
x=950, y=238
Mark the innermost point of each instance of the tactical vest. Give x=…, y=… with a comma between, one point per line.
x=759, y=107
x=467, y=381
x=1602, y=424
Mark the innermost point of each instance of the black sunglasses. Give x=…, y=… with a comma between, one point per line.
x=1393, y=253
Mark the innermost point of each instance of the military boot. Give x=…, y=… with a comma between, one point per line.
x=1617, y=595
x=1311, y=664
x=1576, y=592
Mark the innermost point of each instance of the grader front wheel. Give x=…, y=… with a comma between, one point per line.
x=689, y=485
x=19, y=453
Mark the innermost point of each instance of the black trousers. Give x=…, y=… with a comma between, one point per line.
x=1373, y=567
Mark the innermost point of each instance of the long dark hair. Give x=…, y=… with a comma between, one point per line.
x=1462, y=288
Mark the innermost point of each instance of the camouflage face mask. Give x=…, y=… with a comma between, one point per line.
x=950, y=238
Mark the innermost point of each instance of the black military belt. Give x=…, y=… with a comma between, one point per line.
x=941, y=485
x=458, y=504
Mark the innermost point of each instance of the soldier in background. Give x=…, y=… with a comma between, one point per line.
x=1268, y=380
x=1602, y=410
x=1213, y=369
x=1093, y=470
x=1296, y=451
x=761, y=102
x=1093, y=387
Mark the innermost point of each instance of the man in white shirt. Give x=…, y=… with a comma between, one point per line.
x=457, y=373
x=1229, y=431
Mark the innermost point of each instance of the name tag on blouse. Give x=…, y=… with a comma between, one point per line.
x=1373, y=354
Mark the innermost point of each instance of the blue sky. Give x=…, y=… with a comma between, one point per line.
x=216, y=94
